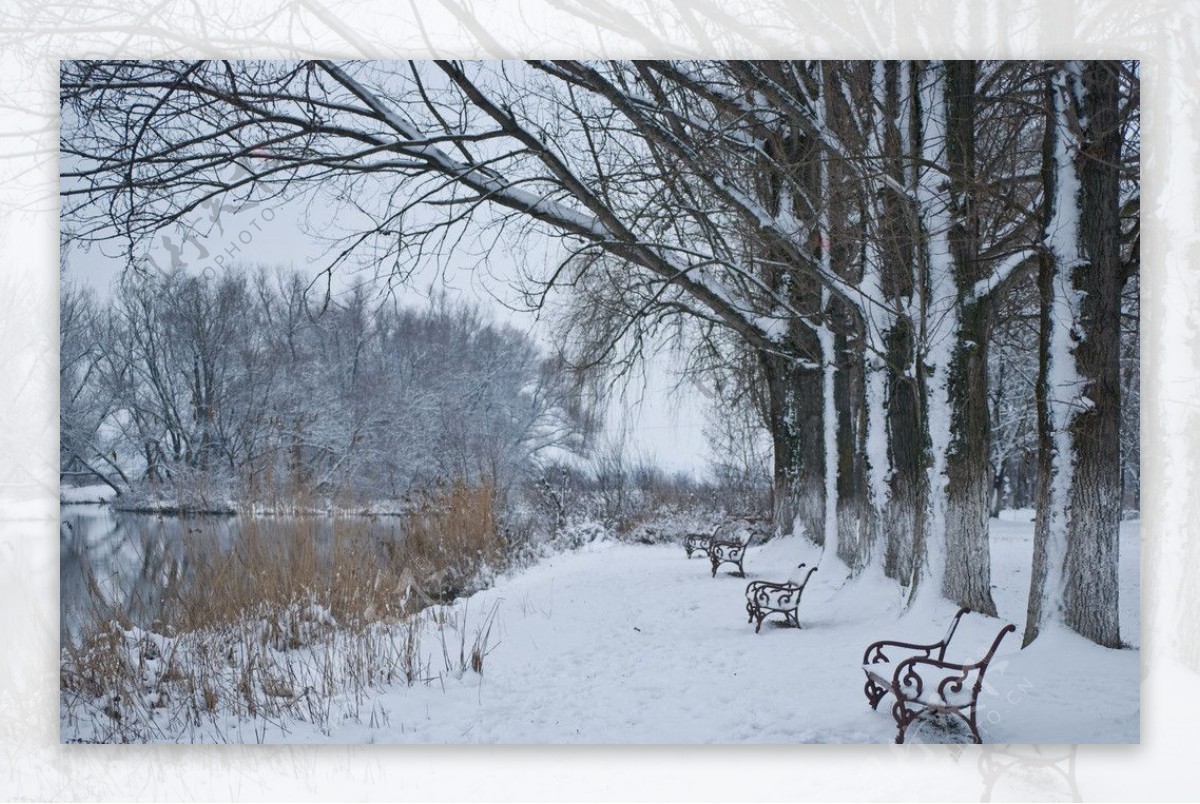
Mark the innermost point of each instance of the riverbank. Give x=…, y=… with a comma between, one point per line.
x=222, y=505
x=629, y=643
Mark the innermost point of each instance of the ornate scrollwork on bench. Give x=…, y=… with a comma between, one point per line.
x=923, y=681
x=764, y=598
x=697, y=543
x=727, y=551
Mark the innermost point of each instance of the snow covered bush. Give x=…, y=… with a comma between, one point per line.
x=580, y=531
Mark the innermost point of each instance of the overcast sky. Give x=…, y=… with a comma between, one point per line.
x=661, y=419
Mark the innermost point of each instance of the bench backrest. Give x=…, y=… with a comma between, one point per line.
x=945, y=643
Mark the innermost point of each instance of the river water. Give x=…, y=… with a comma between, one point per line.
x=135, y=563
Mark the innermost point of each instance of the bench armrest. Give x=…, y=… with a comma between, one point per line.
x=875, y=651
x=775, y=596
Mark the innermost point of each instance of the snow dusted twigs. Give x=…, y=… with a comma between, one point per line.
x=233, y=684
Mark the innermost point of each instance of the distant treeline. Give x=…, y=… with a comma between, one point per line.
x=243, y=386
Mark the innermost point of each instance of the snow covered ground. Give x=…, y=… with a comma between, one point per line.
x=619, y=643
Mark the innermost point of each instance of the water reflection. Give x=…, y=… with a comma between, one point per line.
x=135, y=564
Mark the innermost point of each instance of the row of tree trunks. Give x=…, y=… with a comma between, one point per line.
x=1085, y=508
x=797, y=421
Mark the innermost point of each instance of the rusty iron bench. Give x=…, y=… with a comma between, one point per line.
x=729, y=551
x=924, y=682
x=698, y=542
x=764, y=598
x=722, y=548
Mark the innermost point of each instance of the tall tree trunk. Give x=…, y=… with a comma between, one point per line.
x=1092, y=535
x=968, y=471
x=794, y=401
x=1049, y=535
x=857, y=524
x=967, y=576
x=905, y=516
x=908, y=448
x=1076, y=536
x=937, y=314
x=794, y=375
x=829, y=437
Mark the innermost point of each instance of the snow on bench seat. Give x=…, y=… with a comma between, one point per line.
x=923, y=681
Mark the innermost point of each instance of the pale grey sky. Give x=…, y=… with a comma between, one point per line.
x=661, y=422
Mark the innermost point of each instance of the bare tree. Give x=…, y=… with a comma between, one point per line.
x=233, y=385
x=84, y=403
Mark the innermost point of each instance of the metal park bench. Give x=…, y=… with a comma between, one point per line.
x=764, y=598
x=701, y=543
x=729, y=551
x=698, y=542
x=923, y=682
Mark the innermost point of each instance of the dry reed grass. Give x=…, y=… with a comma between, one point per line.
x=451, y=537
x=274, y=627
x=275, y=563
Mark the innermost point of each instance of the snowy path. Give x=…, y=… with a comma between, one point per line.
x=636, y=644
